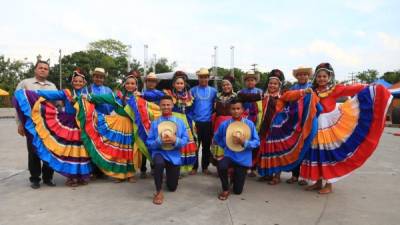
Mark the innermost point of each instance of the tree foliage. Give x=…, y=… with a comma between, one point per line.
x=367, y=76
x=392, y=76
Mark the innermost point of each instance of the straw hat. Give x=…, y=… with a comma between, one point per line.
x=203, y=72
x=99, y=71
x=251, y=74
x=307, y=70
x=167, y=128
x=151, y=76
x=238, y=129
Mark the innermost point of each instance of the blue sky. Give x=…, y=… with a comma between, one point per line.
x=353, y=35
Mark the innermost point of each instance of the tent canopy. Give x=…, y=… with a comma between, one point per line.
x=383, y=82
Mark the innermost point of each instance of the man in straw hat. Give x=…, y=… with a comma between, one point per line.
x=251, y=109
x=204, y=98
x=98, y=88
x=302, y=75
x=238, y=137
x=151, y=94
x=166, y=137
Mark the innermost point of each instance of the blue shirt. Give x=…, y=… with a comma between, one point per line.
x=154, y=142
x=203, y=105
x=251, y=107
x=54, y=95
x=99, y=90
x=153, y=95
x=298, y=86
x=243, y=158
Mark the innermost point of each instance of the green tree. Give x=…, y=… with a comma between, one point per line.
x=367, y=76
x=12, y=72
x=392, y=76
x=110, y=47
x=162, y=66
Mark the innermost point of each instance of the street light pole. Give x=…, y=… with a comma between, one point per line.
x=146, y=48
x=129, y=58
x=233, y=61
x=59, y=62
x=215, y=70
x=154, y=64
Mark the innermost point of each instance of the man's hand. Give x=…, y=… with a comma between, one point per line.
x=308, y=90
x=21, y=130
x=238, y=139
x=167, y=139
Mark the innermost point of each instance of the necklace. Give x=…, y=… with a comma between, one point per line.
x=207, y=97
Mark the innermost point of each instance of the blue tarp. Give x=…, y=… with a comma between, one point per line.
x=383, y=82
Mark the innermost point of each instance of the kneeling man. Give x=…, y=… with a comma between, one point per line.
x=166, y=137
x=238, y=137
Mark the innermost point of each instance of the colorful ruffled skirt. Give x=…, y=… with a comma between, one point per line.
x=289, y=137
x=347, y=136
x=109, y=140
x=143, y=112
x=216, y=150
x=188, y=152
x=55, y=135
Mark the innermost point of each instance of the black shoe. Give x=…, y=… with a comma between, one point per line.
x=49, y=183
x=35, y=185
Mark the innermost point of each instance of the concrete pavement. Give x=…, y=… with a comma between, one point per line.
x=369, y=196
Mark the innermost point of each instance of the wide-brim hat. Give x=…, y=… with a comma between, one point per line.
x=303, y=70
x=151, y=76
x=237, y=128
x=99, y=71
x=251, y=74
x=203, y=72
x=167, y=128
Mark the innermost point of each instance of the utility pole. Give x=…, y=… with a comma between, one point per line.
x=254, y=67
x=352, y=77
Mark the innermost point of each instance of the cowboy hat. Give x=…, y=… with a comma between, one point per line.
x=99, y=71
x=151, y=76
x=251, y=74
x=303, y=70
x=166, y=128
x=237, y=128
x=203, y=72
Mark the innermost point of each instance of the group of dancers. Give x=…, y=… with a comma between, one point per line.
x=90, y=131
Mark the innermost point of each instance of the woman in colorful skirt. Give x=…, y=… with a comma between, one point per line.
x=56, y=134
x=281, y=130
x=348, y=133
x=110, y=139
x=183, y=102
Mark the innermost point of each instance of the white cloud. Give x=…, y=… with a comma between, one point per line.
x=388, y=41
x=364, y=6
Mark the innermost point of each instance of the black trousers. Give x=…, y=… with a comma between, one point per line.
x=172, y=172
x=143, y=167
x=239, y=175
x=204, y=135
x=34, y=163
x=296, y=171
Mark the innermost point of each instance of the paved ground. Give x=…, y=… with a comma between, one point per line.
x=369, y=196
